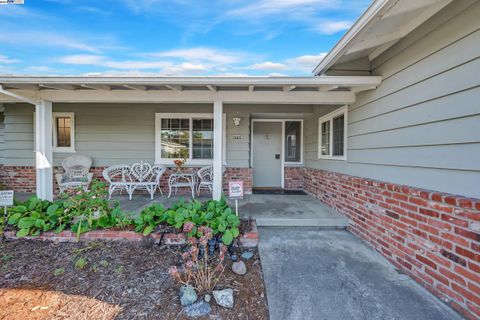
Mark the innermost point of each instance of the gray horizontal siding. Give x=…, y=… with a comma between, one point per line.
x=121, y=133
x=421, y=126
x=2, y=139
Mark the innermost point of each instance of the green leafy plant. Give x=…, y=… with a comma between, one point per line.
x=149, y=218
x=35, y=216
x=103, y=263
x=58, y=272
x=80, y=263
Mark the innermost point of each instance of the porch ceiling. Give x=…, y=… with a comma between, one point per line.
x=306, y=90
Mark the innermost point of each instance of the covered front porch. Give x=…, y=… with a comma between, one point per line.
x=126, y=120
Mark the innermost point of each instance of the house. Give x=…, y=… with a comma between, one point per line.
x=387, y=132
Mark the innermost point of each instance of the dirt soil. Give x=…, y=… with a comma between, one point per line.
x=39, y=280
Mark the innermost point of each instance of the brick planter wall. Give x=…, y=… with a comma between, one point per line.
x=433, y=237
x=293, y=178
x=248, y=239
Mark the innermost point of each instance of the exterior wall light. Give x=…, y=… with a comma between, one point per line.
x=236, y=121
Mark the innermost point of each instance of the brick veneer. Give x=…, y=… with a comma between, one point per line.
x=293, y=178
x=245, y=174
x=18, y=178
x=22, y=178
x=431, y=236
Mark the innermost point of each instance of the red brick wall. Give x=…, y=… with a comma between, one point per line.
x=245, y=174
x=18, y=178
x=433, y=237
x=22, y=179
x=293, y=178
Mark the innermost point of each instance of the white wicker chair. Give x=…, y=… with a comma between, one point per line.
x=117, y=177
x=77, y=173
x=205, y=175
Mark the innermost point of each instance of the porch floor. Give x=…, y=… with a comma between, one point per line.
x=273, y=210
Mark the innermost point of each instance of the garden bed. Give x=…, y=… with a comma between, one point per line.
x=119, y=280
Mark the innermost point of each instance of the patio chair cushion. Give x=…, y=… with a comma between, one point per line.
x=66, y=179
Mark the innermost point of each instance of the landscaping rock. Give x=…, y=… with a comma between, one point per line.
x=224, y=298
x=247, y=255
x=207, y=298
x=198, y=309
x=187, y=296
x=239, y=267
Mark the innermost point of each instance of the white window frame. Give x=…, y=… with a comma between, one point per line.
x=190, y=116
x=329, y=118
x=55, y=115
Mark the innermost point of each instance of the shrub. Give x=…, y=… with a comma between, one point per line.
x=83, y=211
x=201, y=273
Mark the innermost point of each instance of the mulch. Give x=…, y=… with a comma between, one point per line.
x=121, y=280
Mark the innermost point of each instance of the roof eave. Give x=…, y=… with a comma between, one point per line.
x=374, y=12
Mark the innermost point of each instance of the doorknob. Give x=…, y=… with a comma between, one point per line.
x=277, y=155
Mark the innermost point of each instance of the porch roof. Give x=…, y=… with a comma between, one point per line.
x=301, y=90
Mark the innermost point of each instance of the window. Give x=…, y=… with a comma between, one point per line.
x=185, y=135
x=63, y=132
x=332, y=135
x=293, y=141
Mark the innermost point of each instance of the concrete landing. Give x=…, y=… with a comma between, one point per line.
x=290, y=211
x=313, y=274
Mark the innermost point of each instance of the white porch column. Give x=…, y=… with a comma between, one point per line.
x=43, y=149
x=217, y=149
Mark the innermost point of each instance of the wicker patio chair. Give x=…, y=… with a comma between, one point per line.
x=205, y=175
x=76, y=173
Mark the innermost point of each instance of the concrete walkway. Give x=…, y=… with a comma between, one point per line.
x=329, y=274
x=278, y=210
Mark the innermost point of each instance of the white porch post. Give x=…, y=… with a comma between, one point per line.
x=43, y=149
x=217, y=149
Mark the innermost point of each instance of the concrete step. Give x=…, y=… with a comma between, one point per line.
x=331, y=222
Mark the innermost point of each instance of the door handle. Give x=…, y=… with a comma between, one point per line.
x=277, y=155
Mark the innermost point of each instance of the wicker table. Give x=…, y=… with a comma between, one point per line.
x=182, y=180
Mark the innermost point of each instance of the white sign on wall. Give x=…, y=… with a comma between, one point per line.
x=6, y=198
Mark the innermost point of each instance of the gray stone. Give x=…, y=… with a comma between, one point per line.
x=247, y=255
x=239, y=267
x=198, y=309
x=187, y=296
x=224, y=298
x=207, y=298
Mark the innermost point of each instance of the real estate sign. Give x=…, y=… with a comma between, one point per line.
x=235, y=189
x=6, y=198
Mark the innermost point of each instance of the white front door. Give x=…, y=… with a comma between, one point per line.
x=267, y=154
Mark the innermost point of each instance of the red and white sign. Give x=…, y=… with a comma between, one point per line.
x=235, y=189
